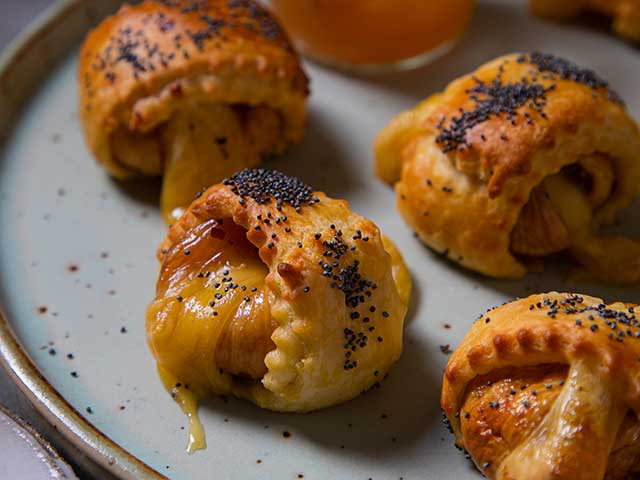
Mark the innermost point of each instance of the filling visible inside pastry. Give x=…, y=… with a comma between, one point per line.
x=559, y=216
x=218, y=321
x=216, y=279
x=211, y=320
x=199, y=145
x=514, y=413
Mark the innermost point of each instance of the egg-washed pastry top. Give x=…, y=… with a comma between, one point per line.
x=278, y=294
x=192, y=89
x=625, y=14
x=548, y=387
x=525, y=157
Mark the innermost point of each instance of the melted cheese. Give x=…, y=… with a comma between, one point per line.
x=209, y=346
x=202, y=146
x=199, y=145
x=560, y=216
x=584, y=414
x=399, y=270
x=571, y=204
x=610, y=259
x=201, y=328
x=188, y=403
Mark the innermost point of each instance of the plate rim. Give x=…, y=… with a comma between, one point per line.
x=21, y=369
x=53, y=460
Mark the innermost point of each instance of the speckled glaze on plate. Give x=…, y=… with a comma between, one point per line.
x=77, y=269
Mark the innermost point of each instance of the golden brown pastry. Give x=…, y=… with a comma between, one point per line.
x=278, y=294
x=548, y=387
x=625, y=13
x=192, y=89
x=526, y=157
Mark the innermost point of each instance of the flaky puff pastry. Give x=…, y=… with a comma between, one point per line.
x=548, y=387
x=625, y=13
x=277, y=294
x=526, y=157
x=192, y=89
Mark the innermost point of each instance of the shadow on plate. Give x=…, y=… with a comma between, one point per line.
x=595, y=22
x=144, y=190
x=556, y=274
x=319, y=161
x=557, y=271
x=383, y=422
x=416, y=300
x=555, y=277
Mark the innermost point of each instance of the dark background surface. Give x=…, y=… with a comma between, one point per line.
x=15, y=14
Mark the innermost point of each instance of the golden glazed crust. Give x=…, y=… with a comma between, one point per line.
x=141, y=65
x=625, y=13
x=330, y=288
x=464, y=178
x=548, y=385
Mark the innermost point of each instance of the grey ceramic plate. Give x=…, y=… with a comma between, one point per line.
x=77, y=268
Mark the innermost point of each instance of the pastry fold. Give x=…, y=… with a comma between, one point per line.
x=194, y=90
x=525, y=157
x=625, y=14
x=277, y=294
x=548, y=387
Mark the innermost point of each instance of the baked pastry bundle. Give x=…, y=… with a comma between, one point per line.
x=278, y=294
x=193, y=90
x=548, y=387
x=526, y=157
x=625, y=14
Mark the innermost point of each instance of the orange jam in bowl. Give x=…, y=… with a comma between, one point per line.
x=373, y=32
